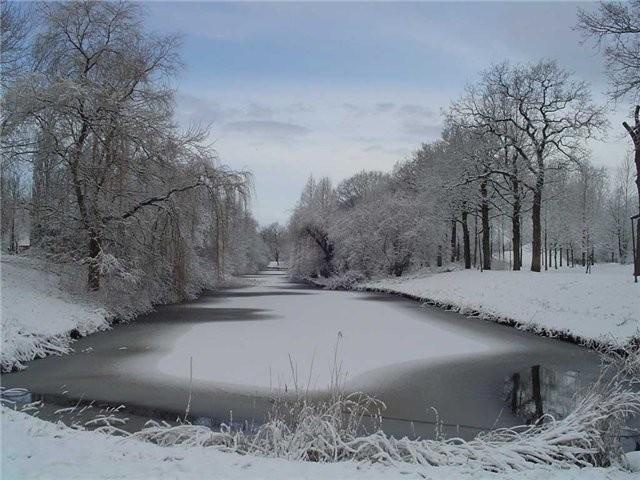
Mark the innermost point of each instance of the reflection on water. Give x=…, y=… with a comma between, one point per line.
x=540, y=391
x=91, y=415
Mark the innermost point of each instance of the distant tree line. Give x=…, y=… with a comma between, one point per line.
x=512, y=168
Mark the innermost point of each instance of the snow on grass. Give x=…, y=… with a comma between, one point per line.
x=38, y=315
x=602, y=306
x=325, y=439
x=333, y=430
x=32, y=448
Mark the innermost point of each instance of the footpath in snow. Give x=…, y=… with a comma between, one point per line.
x=602, y=306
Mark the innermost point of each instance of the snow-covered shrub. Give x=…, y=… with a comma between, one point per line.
x=342, y=281
x=622, y=360
x=19, y=347
x=346, y=427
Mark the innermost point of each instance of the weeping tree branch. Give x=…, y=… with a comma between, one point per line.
x=209, y=181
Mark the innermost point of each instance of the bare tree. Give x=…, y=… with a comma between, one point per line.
x=619, y=207
x=310, y=225
x=115, y=184
x=15, y=24
x=272, y=237
x=549, y=115
x=615, y=28
x=473, y=155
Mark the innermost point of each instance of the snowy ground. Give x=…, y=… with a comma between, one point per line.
x=32, y=448
x=604, y=305
x=37, y=314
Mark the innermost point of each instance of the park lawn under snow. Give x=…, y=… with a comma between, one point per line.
x=603, y=305
x=32, y=448
x=38, y=314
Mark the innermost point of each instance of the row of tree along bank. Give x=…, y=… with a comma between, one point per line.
x=95, y=166
x=511, y=168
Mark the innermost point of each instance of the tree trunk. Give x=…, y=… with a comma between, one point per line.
x=637, y=266
x=12, y=241
x=93, y=279
x=536, y=391
x=635, y=136
x=621, y=253
x=515, y=378
x=521, y=253
x=466, y=241
x=486, y=229
x=546, y=252
x=454, y=237
x=475, y=241
x=536, y=248
x=636, y=269
x=515, y=217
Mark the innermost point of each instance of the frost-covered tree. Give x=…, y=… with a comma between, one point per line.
x=116, y=185
x=615, y=28
x=501, y=166
x=313, y=248
x=549, y=114
x=15, y=20
x=620, y=207
x=273, y=236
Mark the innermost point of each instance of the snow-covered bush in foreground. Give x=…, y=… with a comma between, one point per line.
x=581, y=439
x=346, y=427
x=32, y=449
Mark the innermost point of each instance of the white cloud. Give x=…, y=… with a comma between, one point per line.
x=266, y=129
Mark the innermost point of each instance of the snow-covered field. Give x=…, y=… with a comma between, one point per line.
x=604, y=305
x=38, y=315
x=31, y=449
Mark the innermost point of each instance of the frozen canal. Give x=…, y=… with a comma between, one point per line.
x=245, y=343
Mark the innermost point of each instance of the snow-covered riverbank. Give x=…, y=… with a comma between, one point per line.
x=602, y=306
x=39, y=316
x=45, y=306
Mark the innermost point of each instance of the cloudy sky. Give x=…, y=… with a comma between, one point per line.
x=292, y=89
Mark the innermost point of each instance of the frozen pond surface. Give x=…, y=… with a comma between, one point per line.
x=247, y=342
